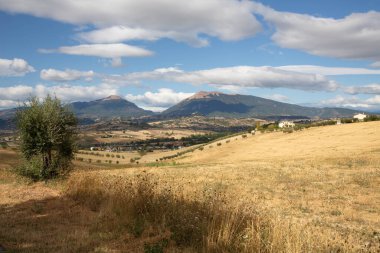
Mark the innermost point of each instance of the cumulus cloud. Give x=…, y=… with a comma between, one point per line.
x=239, y=76
x=15, y=67
x=66, y=75
x=18, y=92
x=158, y=101
x=366, y=89
x=13, y=95
x=376, y=64
x=184, y=21
x=353, y=102
x=356, y=36
x=330, y=71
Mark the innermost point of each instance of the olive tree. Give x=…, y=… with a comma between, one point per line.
x=47, y=132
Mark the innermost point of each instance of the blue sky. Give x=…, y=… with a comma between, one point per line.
x=156, y=53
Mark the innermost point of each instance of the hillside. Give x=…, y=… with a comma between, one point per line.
x=243, y=106
x=339, y=141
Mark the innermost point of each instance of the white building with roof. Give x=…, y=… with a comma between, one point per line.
x=286, y=123
x=360, y=116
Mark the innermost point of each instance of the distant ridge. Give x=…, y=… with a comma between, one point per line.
x=107, y=108
x=240, y=106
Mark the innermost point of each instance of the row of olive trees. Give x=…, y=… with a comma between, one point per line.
x=47, y=132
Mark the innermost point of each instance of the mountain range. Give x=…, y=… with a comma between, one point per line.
x=243, y=106
x=211, y=104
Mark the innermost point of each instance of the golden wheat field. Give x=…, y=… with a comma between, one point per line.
x=316, y=190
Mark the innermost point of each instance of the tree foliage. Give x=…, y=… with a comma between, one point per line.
x=47, y=130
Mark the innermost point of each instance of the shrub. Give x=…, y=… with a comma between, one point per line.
x=372, y=118
x=219, y=144
x=4, y=145
x=98, y=161
x=287, y=130
x=244, y=136
x=201, y=148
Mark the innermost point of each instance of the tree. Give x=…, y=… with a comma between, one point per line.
x=47, y=130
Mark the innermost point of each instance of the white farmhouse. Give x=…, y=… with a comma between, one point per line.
x=360, y=116
x=283, y=124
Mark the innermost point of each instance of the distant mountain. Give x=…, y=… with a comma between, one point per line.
x=240, y=106
x=107, y=108
x=7, y=119
x=87, y=112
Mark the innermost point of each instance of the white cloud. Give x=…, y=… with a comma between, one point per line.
x=329, y=71
x=66, y=75
x=158, y=101
x=145, y=19
x=356, y=36
x=9, y=104
x=13, y=95
x=367, y=89
x=376, y=64
x=18, y=92
x=69, y=93
x=239, y=76
x=278, y=97
x=15, y=67
x=112, y=51
x=353, y=102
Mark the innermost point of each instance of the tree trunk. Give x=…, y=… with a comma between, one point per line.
x=46, y=164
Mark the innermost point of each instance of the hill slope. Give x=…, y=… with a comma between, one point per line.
x=235, y=106
x=339, y=141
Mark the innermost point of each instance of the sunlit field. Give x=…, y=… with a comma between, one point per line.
x=315, y=190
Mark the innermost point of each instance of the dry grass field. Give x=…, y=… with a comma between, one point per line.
x=316, y=190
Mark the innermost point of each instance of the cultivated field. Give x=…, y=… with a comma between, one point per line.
x=316, y=190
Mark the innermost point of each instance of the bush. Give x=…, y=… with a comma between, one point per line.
x=287, y=130
x=372, y=118
x=4, y=145
x=219, y=144
x=31, y=168
x=201, y=148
